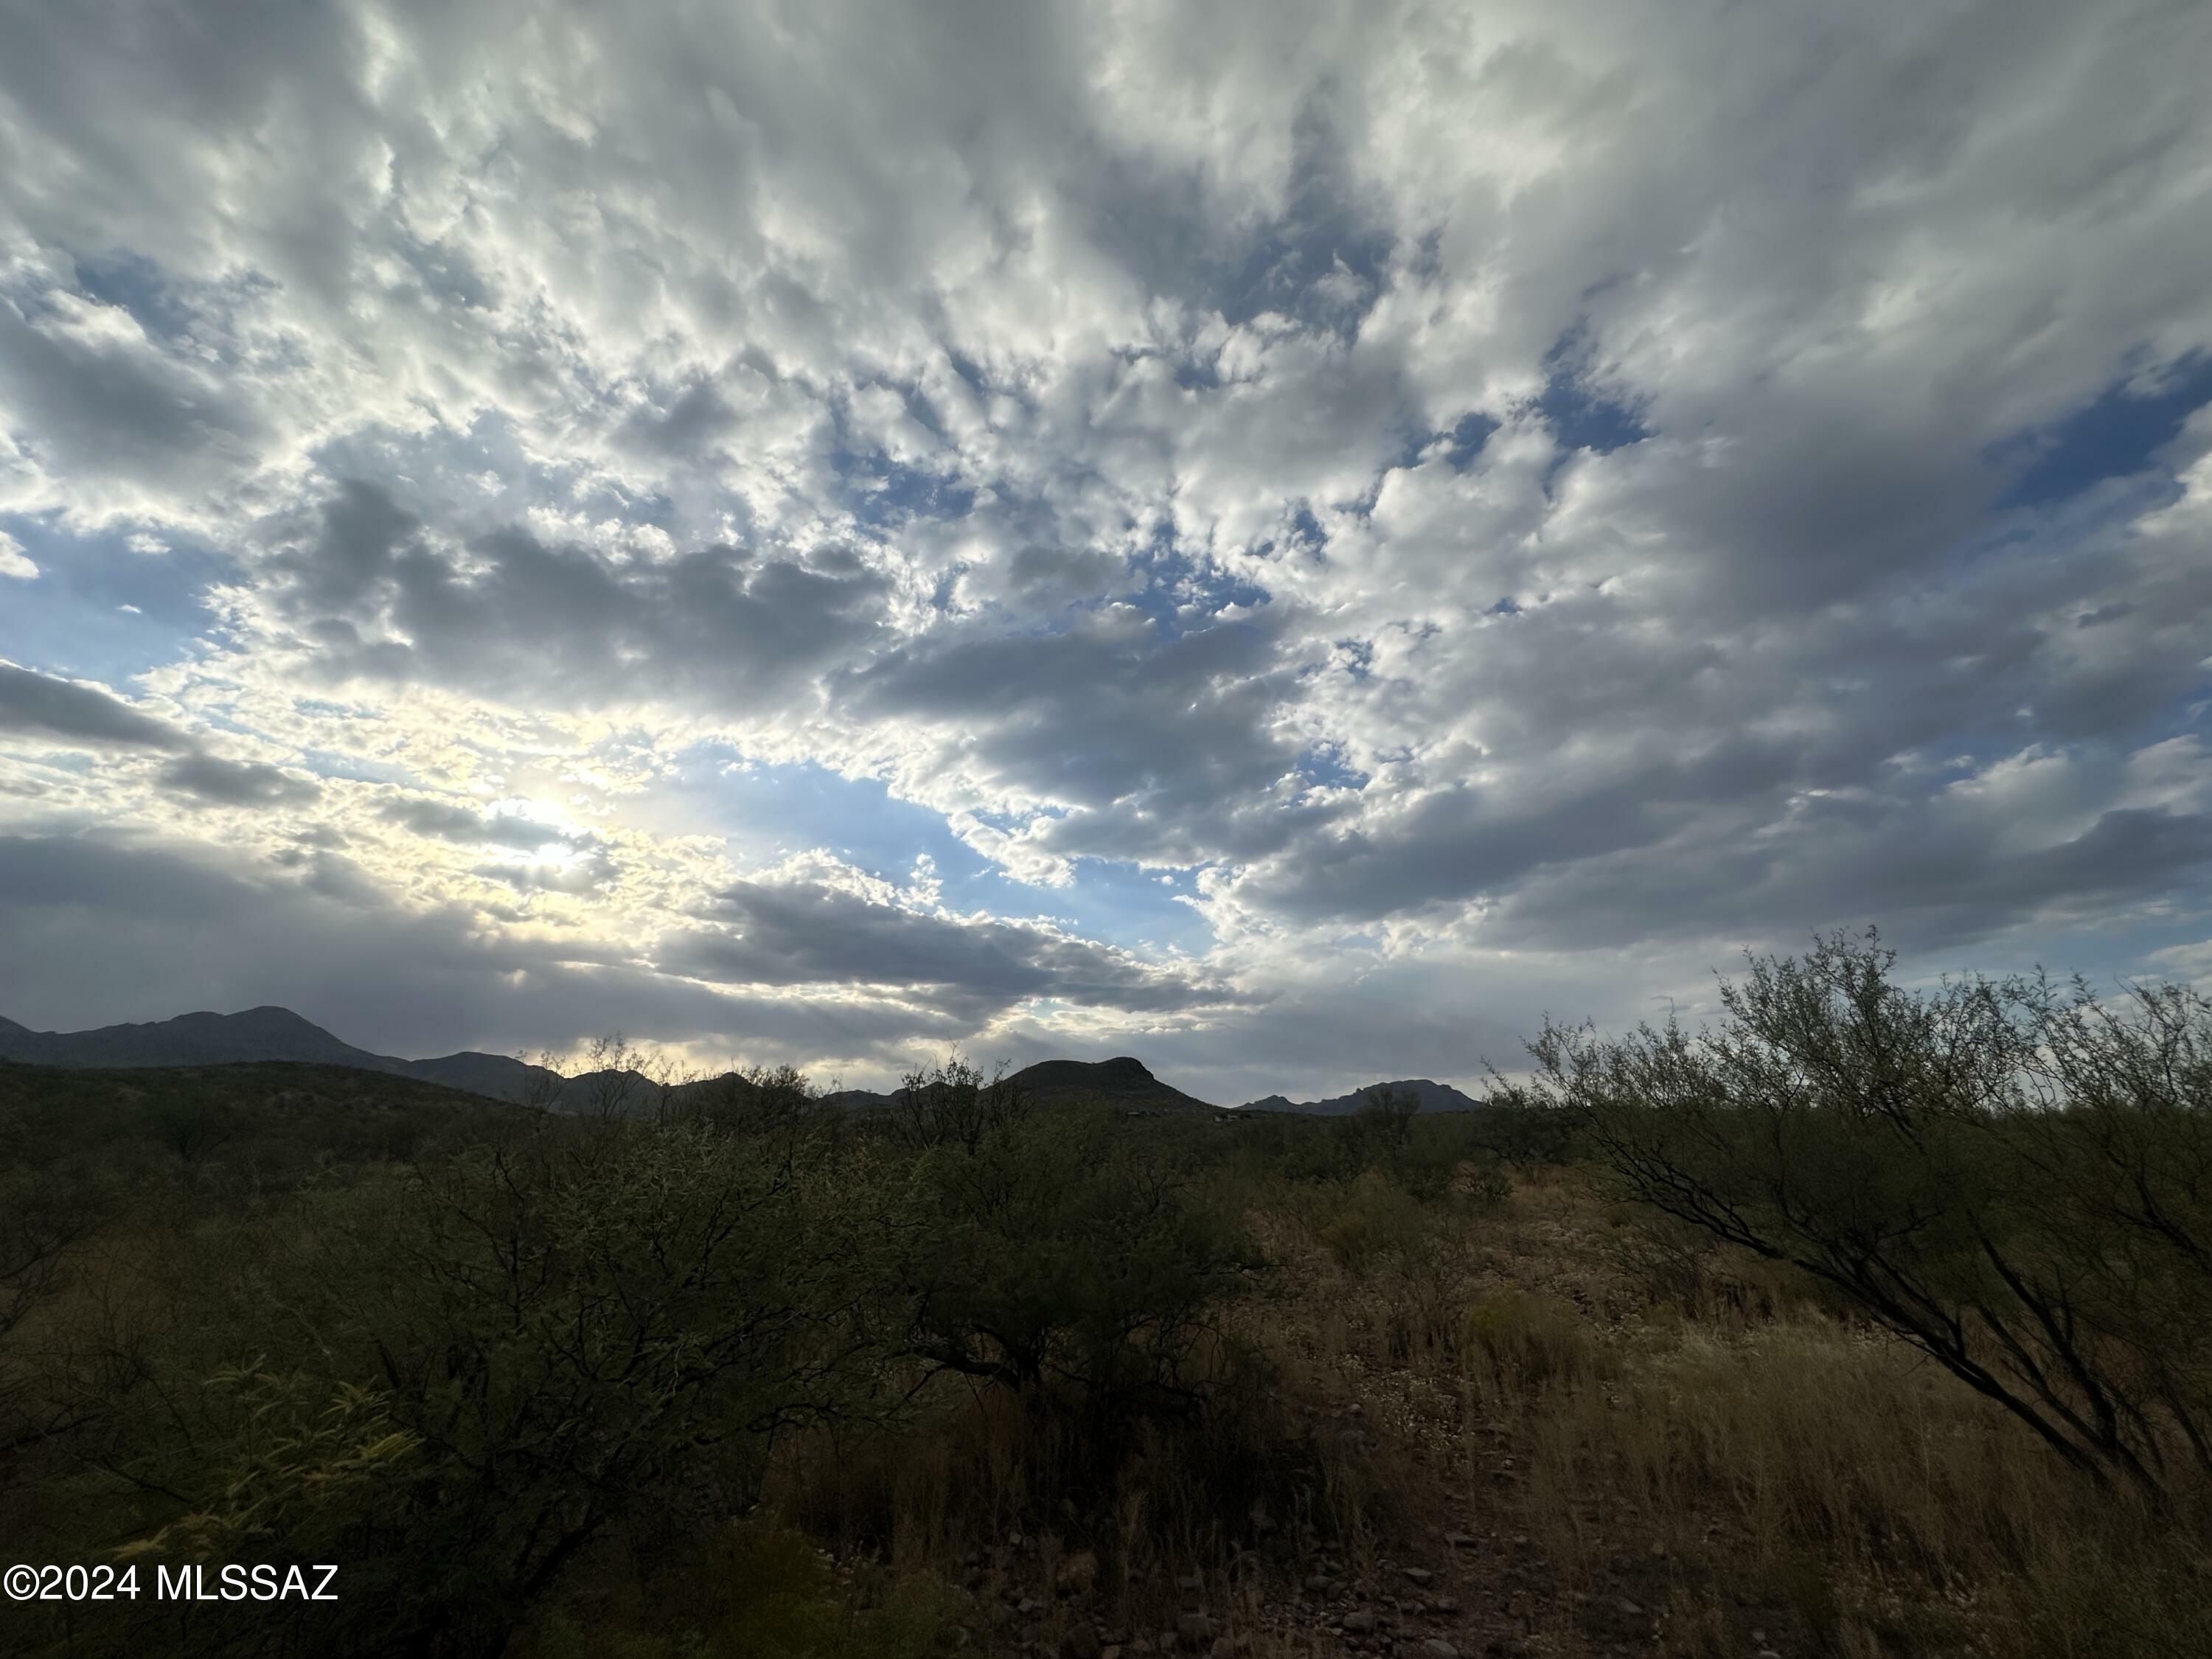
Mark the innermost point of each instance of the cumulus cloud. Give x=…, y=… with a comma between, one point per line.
x=222, y=782
x=1395, y=501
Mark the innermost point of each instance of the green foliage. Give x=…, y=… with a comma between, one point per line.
x=2013, y=1177
x=1063, y=1249
x=489, y=1358
x=953, y=1105
x=1379, y=1223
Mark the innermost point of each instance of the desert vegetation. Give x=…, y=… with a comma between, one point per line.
x=1868, y=1321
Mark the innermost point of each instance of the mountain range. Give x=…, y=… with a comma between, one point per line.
x=278, y=1034
x=271, y=1033
x=265, y=1033
x=1428, y=1097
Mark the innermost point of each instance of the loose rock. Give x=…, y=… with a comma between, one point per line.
x=1195, y=1627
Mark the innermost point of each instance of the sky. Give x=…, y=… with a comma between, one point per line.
x=1289, y=539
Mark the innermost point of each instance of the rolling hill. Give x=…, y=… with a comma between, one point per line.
x=266, y=1033
x=270, y=1033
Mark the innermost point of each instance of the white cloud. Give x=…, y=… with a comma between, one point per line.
x=1447, y=491
x=14, y=562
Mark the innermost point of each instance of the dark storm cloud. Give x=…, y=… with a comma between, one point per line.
x=1932, y=878
x=144, y=932
x=44, y=706
x=692, y=420
x=808, y=933
x=107, y=405
x=1158, y=743
x=370, y=597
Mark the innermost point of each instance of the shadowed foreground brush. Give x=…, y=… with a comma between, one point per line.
x=1870, y=1323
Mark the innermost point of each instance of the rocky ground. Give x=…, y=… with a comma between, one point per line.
x=1472, y=1593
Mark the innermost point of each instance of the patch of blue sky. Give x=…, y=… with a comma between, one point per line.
x=766, y=812
x=1467, y=437
x=2118, y=435
x=1582, y=417
x=1459, y=446
x=2110, y=955
x=1323, y=767
x=1119, y=904
x=1302, y=536
x=98, y=610
x=883, y=494
x=1167, y=582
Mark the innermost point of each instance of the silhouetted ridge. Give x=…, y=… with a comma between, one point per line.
x=266, y=1033
x=1428, y=1095
x=1124, y=1081
x=195, y=1039
x=272, y=1033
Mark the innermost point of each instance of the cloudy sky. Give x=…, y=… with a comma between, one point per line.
x=1285, y=538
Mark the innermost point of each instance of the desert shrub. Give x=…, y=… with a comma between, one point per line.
x=476, y=1367
x=1519, y=1128
x=953, y=1105
x=1067, y=1252
x=1378, y=1223
x=1428, y=1155
x=2015, y=1179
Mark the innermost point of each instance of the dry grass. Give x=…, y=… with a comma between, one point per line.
x=1693, y=1434
x=1637, y=1447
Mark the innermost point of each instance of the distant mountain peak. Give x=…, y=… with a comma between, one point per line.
x=1124, y=1080
x=269, y=1017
